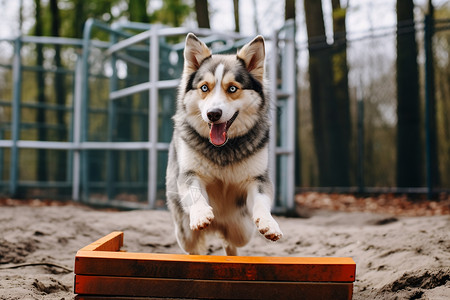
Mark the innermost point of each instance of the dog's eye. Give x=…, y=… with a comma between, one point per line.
x=204, y=88
x=232, y=89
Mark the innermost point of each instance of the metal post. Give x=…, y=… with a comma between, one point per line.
x=290, y=86
x=429, y=173
x=110, y=165
x=77, y=104
x=153, y=116
x=273, y=64
x=360, y=117
x=84, y=111
x=15, y=124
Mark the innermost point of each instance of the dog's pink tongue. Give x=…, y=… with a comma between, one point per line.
x=218, y=134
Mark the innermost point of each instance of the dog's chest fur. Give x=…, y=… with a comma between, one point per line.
x=237, y=173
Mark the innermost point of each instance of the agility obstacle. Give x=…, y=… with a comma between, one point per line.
x=102, y=271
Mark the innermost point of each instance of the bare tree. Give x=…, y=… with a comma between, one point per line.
x=433, y=156
x=79, y=19
x=329, y=98
x=138, y=11
x=201, y=9
x=60, y=90
x=320, y=79
x=409, y=154
x=340, y=88
x=42, y=172
x=289, y=9
x=236, y=16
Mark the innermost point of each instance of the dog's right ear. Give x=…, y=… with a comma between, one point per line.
x=253, y=55
x=195, y=53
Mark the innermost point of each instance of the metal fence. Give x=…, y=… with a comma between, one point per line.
x=99, y=127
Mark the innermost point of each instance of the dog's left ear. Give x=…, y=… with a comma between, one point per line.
x=253, y=55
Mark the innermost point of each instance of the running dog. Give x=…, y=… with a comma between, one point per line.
x=217, y=176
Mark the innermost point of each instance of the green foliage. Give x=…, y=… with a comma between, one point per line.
x=173, y=12
x=137, y=11
x=74, y=14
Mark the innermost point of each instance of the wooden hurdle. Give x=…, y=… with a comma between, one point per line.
x=102, y=271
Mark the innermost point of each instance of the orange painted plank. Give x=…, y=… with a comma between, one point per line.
x=209, y=289
x=111, y=242
x=102, y=258
x=325, y=269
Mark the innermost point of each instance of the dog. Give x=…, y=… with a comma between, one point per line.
x=217, y=177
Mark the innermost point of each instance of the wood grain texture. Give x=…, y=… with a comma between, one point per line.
x=324, y=269
x=209, y=289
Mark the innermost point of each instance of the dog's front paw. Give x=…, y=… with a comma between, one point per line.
x=201, y=217
x=269, y=228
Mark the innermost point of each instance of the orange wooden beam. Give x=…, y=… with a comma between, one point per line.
x=326, y=269
x=102, y=270
x=210, y=289
x=111, y=242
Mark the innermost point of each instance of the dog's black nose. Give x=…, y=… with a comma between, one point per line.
x=214, y=114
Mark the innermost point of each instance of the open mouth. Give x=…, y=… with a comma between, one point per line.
x=218, y=132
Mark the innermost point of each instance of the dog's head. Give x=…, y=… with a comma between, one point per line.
x=223, y=95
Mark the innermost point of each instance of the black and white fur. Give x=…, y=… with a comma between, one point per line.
x=218, y=182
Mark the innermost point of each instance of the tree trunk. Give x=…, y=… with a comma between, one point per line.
x=435, y=179
x=321, y=85
x=236, y=16
x=79, y=19
x=138, y=11
x=289, y=9
x=341, y=94
x=60, y=93
x=41, y=170
x=201, y=9
x=409, y=154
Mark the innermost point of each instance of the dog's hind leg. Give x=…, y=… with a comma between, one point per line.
x=230, y=250
x=236, y=233
x=192, y=242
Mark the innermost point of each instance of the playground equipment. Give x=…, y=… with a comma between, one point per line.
x=102, y=271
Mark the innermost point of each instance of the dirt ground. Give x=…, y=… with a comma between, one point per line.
x=401, y=249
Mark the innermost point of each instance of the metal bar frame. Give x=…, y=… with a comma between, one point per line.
x=153, y=87
x=15, y=134
x=286, y=91
x=80, y=144
x=291, y=87
x=273, y=66
x=76, y=159
x=143, y=87
x=113, y=85
x=153, y=116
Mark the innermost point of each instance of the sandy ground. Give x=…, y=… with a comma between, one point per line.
x=396, y=257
